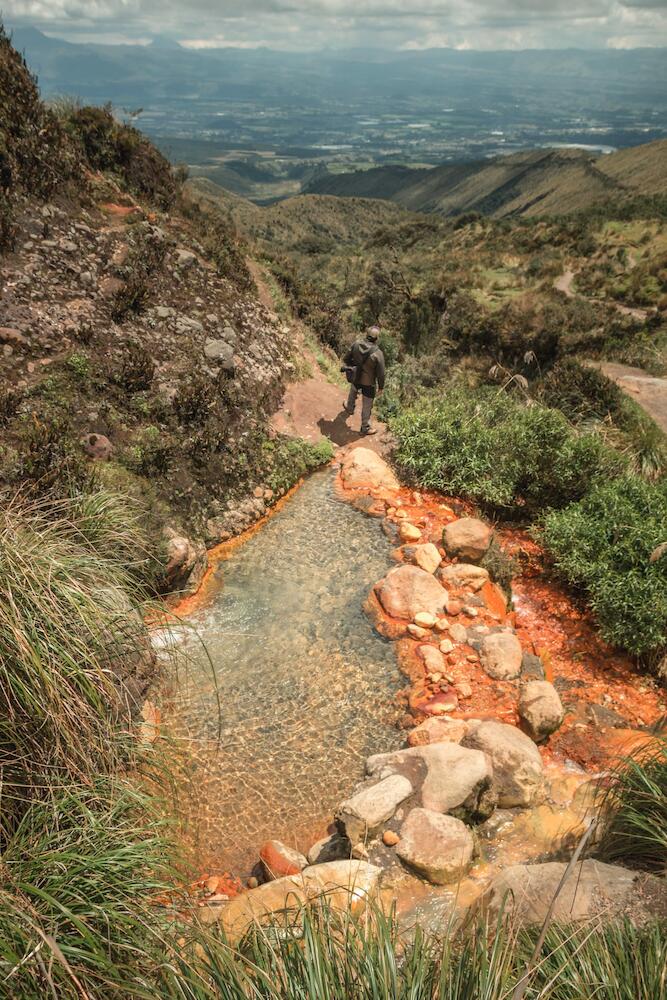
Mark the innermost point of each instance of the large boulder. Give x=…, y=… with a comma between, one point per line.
x=363, y=468
x=185, y=564
x=518, y=771
x=468, y=538
x=450, y=778
x=464, y=575
x=540, y=709
x=407, y=590
x=278, y=860
x=343, y=884
x=364, y=813
x=438, y=847
x=501, y=656
x=332, y=848
x=592, y=890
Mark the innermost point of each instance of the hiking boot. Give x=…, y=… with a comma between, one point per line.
x=371, y=430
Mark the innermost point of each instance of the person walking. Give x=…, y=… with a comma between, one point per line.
x=364, y=368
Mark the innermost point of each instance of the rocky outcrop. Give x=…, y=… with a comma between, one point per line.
x=363, y=815
x=501, y=656
x=540, y=709
x=467, y=538
x=407, y=590
x=438, y=847
x=363, y=468
x=449, y=778
x=345, y=884
x=593, y=890
x=518, y=771
x=186, y=563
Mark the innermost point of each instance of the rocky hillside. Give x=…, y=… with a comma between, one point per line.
x=132, y=341
x=540, y=182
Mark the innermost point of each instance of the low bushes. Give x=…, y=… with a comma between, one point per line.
x=498, y=451
x=286, y=460
x=603, y=545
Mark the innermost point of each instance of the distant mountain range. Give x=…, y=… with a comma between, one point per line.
x=600, y=79
x=539, y=182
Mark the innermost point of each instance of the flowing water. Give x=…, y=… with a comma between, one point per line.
x=298, y=684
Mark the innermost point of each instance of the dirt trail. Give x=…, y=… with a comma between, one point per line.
x=647, y=390
x=313, y=408
x=565, y=282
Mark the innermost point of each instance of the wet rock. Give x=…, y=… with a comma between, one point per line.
x=333, y=848
x=186, y=562
x=540, y=709
x=437, y=730
x=518, y=772
x=449, y=777
x=501, y=656
x=532, y=667
x=363, y=468
x=438, y=847
x=417, y=632
x=362, y=815
x=407, y=590
x=279, y=860
x=97, y=446
x=603, y=717
x=346, y=885
x=468, y=538
x=593, y=890
x=463, y=575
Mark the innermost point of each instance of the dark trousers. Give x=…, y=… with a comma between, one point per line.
x=368, y=393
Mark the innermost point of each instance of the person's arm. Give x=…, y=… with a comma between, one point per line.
x=379, y=370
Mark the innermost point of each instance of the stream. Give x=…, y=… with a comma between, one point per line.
x=297, y=690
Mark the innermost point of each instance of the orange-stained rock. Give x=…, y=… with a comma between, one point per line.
x=279, y=860
x=443, y=703
x=494, y=598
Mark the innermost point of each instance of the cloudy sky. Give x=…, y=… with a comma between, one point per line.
x=316, y=24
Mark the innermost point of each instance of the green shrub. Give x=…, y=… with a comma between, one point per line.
x=603, y=545
x=289, y=459
x=580, y=391
x=501, y=566
x=496, y=450
x=152, y=452
x=634, y=808
x=136, y=369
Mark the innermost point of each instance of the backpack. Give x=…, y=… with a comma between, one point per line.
x=352, y=372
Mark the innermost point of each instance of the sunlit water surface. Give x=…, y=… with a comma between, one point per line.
x=298, y=684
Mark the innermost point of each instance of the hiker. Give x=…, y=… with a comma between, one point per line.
x=364, y=369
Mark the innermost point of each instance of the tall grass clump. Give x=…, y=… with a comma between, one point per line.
x=634, y=804
x=80, y=877
x=608, y=547
x=495, y=449
x=70, y=631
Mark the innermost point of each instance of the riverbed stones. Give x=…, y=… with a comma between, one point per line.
x=467, y=538
x=362, y=815
x=459, y=575
x=540, y=709
x=518, y=771
x=458, y=632
x=363, y=468
x=433, y=660
x=501, y=655
x=408, y=590
x=408, y=532
x=333, y=848
x=426, y=556
x=592, y=890
x=425, y=619
x=450, y=778
x=345, y=885
x=185, y=564
x=438, y=847
x=437, y=730
x=278, y=860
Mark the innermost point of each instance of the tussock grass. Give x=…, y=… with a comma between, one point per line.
x=635, y=804
x=69, y=623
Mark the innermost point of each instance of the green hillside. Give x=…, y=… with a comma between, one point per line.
x=539, y=182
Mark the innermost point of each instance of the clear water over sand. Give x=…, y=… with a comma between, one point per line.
x=305, y=687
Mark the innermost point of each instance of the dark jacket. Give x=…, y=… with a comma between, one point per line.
x=369, y=361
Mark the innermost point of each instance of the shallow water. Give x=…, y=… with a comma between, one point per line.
x=305, y=687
